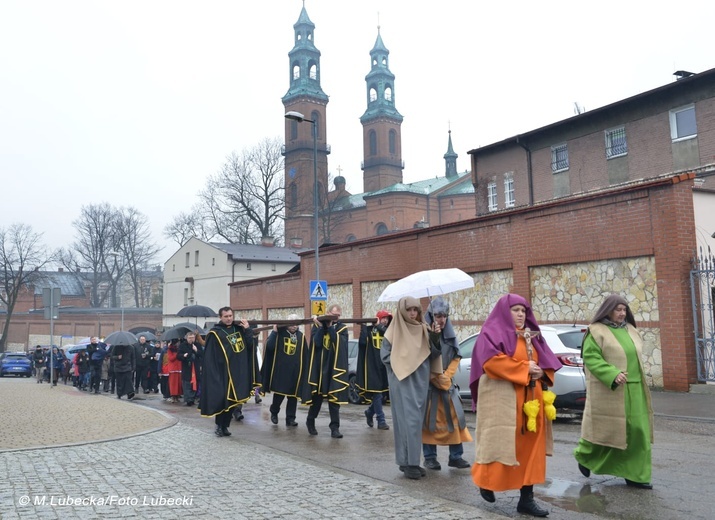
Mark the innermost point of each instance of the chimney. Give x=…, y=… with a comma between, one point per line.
x=268, y=241
x=61, y=270
x=296, y=243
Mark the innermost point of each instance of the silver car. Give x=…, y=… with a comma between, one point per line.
x=570, y=381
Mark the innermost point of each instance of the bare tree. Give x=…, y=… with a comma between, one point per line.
x=190, y=224
x=96, y=240
x=135, y=245
x=241, y=203
x=21, y=254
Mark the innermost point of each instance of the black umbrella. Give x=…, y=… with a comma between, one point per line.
x=197, y=311
x=121, y=338
x=148, y=335
x=178, y=332
x=191, y=326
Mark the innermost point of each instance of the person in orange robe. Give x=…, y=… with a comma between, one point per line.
x=511, y=365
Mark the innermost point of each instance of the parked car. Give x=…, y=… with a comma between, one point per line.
x=15, y=363
x=565, y=343
x=353, y=393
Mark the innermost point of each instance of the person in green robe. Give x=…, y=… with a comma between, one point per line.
x=617, y=426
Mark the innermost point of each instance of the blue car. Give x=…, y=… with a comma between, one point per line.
x=15, y=363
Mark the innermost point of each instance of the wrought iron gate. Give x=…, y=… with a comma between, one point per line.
x=702, y=290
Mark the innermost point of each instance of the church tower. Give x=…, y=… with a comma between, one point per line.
x=305, y=96
x=381, y=135
x=450, y=159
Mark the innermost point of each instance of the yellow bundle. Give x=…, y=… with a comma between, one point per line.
x=549, y=408
x=531, y=409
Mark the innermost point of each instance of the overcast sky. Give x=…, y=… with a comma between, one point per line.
x=137, y=102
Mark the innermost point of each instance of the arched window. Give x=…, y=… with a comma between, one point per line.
x=392, y=139
x=296, y=71
x=388, y=93
x=351, y=238
x=373, y=94
x=381, y=229
x=293, y=196
x=315, y=116
x=293, y=129
x=313, y=74
x=372, y=137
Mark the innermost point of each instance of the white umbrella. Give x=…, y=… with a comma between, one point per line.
x=426, y=284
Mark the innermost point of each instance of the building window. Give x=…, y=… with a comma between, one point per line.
x=682, y=123
x=373, y=94
x=313, y=72
x=248, y=266
x=213, y=261
x=188, y=259
x=273, y=267
x=559, y=158
x=492, y=196
x=388, y=94
x=173, y=268
x=186, y=296
x=293, y=130
x=196, y=258
x=508, y=190
x=381, y=229
x=616, y=142
x=296, y=71
x=351, y=238
x=372, y=137
x=392, y=138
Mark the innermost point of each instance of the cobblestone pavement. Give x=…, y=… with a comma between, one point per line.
x=183, y=471
x=151, y=470
x=38, y=415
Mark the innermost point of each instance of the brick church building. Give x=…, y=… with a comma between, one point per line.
x=387, y=204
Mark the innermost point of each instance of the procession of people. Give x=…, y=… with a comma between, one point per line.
x=407, y=359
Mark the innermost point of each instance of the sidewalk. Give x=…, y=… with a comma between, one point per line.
x=38, y=416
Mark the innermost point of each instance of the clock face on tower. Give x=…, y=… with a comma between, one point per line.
x=291, y=173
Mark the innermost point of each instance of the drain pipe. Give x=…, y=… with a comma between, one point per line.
x=529, y=174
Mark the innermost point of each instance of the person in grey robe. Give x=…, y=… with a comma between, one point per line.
x=409, y=349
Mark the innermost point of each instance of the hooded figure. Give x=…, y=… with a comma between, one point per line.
x=444, y=422
x=408, y=350
x=371, y=376
x=511, y=364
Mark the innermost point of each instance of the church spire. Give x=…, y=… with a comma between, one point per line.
x=450, y=159
x=381, y=122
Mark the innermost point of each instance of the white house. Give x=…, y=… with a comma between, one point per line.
x=199, y=273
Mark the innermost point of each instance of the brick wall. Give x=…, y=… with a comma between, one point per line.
x=649, y=219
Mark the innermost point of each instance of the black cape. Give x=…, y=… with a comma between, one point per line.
x=230, y=369
x=285, y=365
x=371, y=375
x=328, y=374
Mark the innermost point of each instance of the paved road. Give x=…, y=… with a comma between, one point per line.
x=267, y=471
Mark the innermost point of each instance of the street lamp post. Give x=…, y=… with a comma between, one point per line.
x=297, y=116
x=121, y=299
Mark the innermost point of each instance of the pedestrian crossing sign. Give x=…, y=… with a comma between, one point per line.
x=318, y=290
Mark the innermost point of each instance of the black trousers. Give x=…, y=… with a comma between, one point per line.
x=124, y=383
x=142, y=378
x=333, y=408
x=95, y=377
x=291, y=407
x=223, y=419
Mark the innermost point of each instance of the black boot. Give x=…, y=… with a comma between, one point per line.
x=310, y=423
x=335, y=434
x=528, y=505
x=219, y=431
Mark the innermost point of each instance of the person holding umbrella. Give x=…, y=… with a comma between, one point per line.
x=230, y=370
x=124, y=365
x=409, y=349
